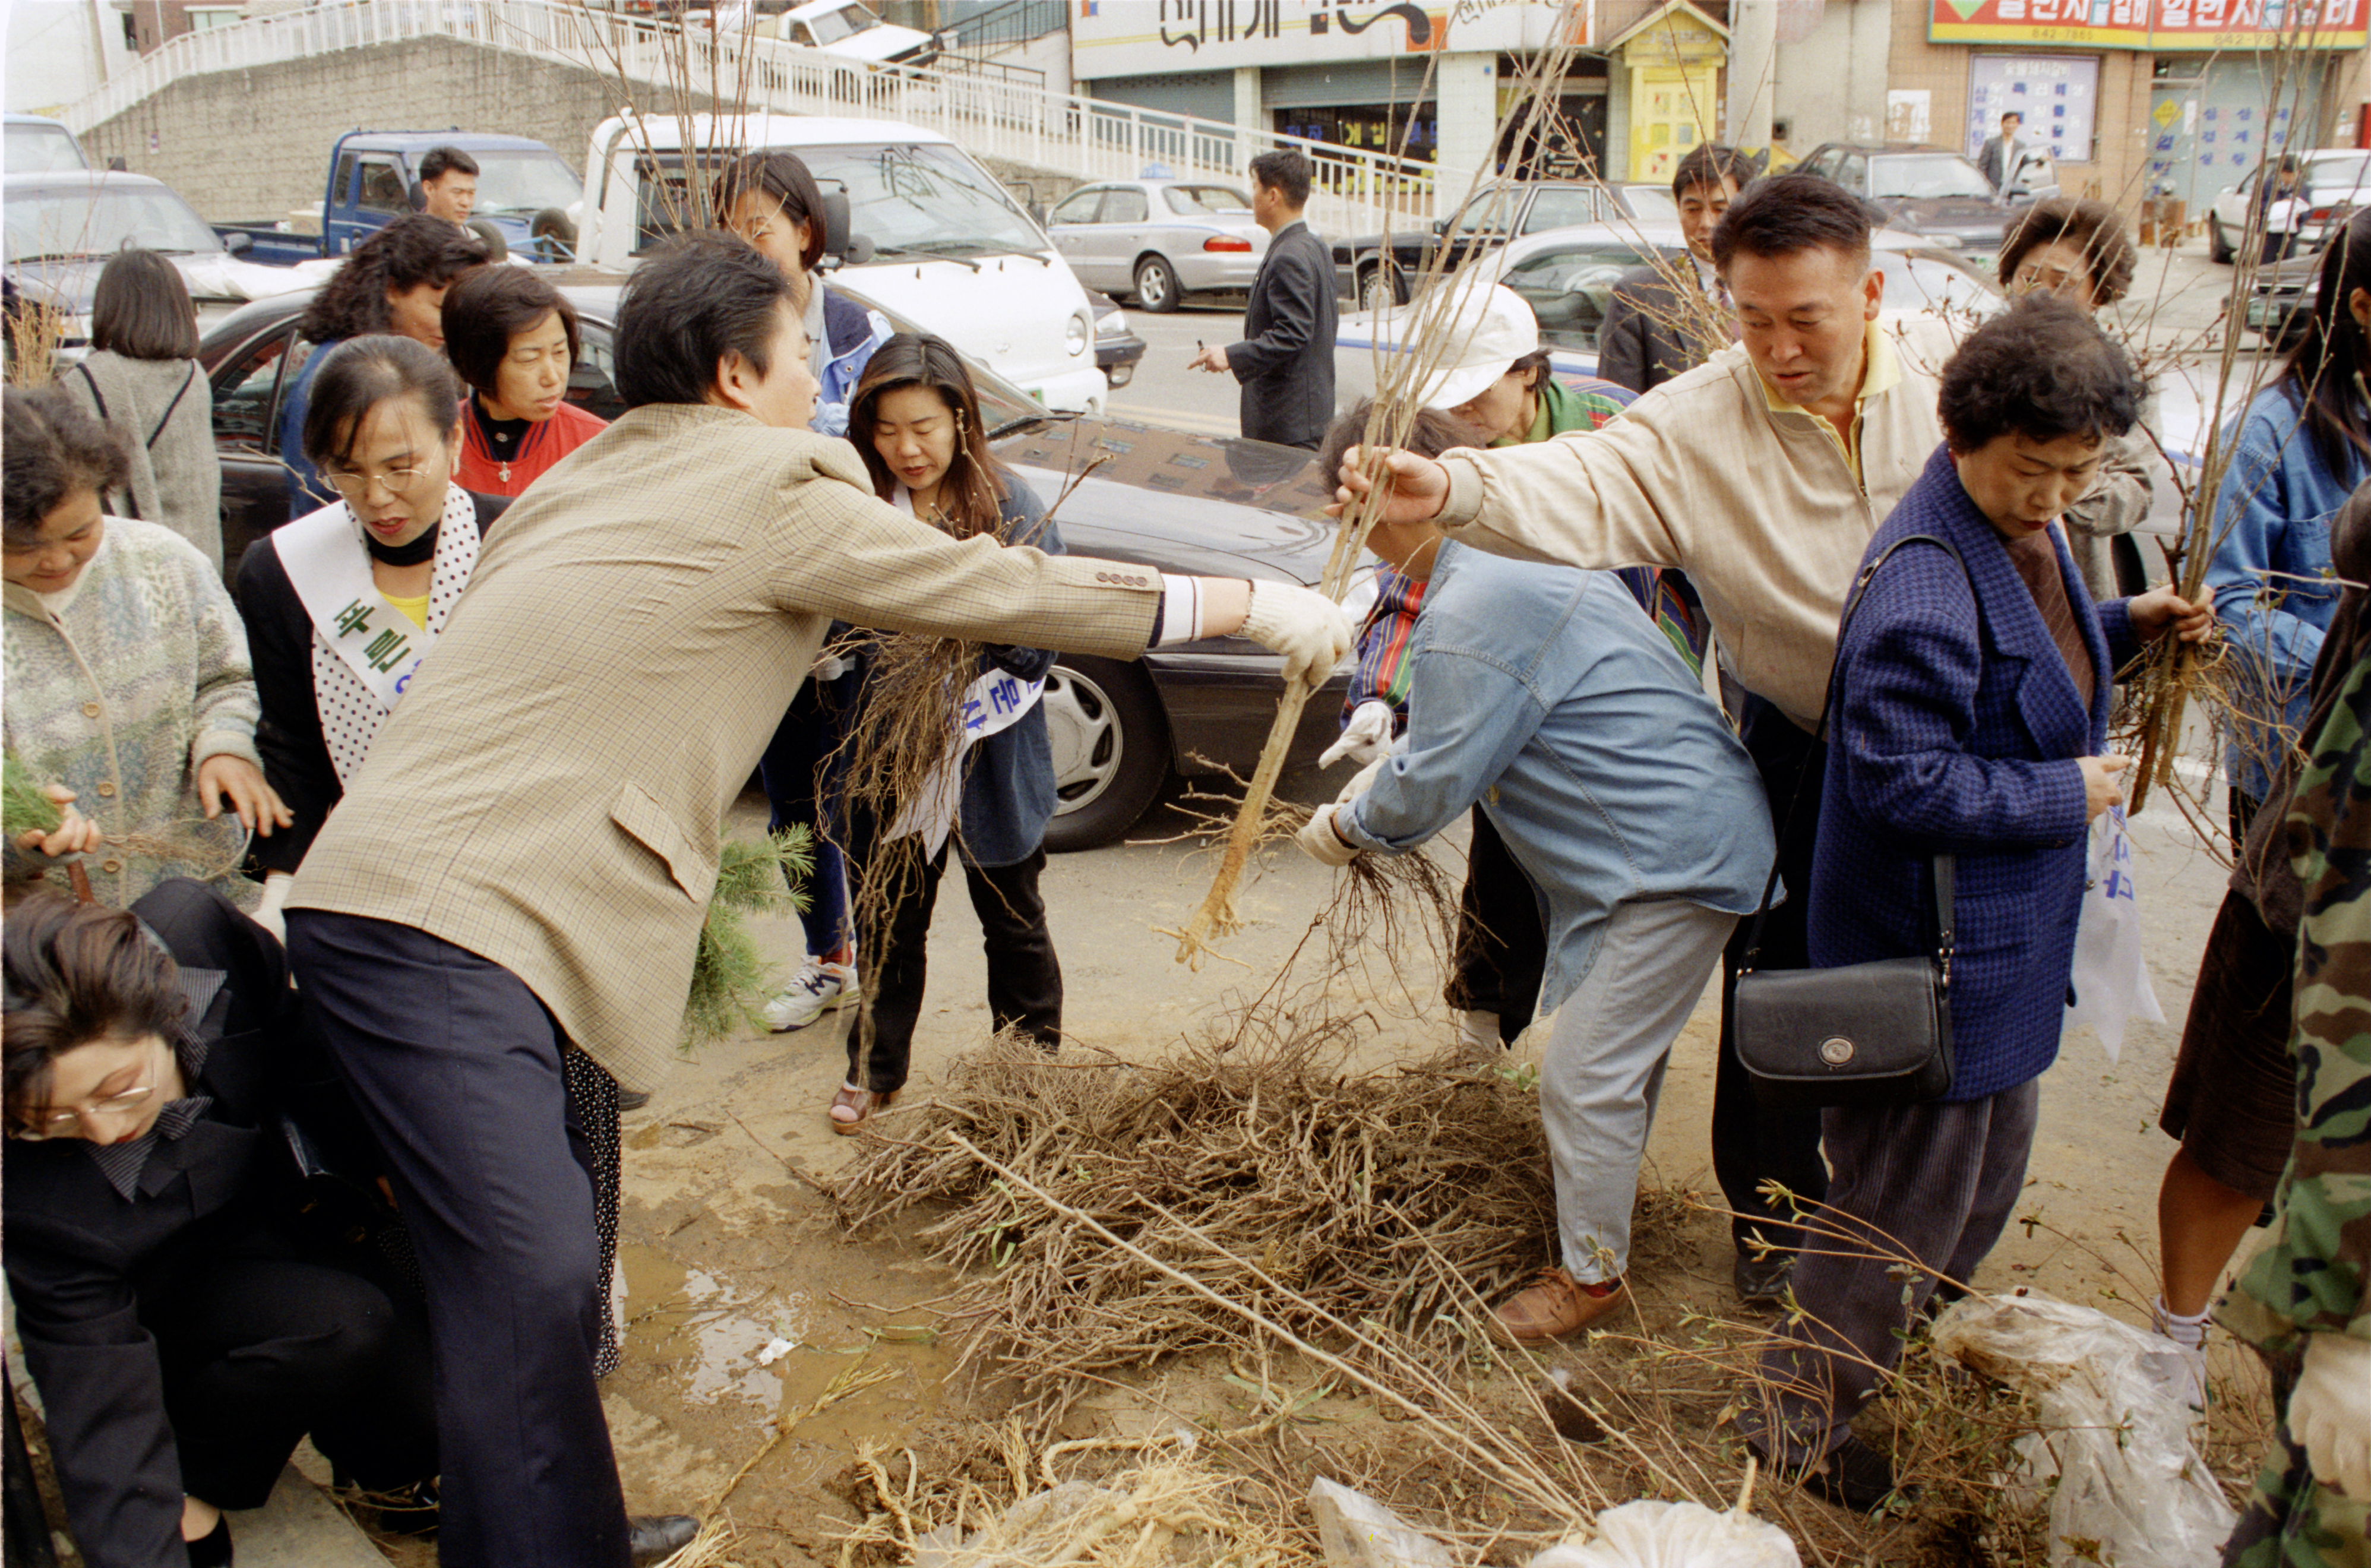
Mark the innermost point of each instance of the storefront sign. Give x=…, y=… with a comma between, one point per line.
x=1135, y=37
x=2056, y=97
x=2161, y=25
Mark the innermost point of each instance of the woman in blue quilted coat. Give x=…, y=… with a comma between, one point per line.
x=1971, y=719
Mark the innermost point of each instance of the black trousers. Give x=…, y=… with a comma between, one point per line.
x=456, y=1065
x=1502, y=939
x=258, y=1352
x=1752, y=1144
x=1025, y=978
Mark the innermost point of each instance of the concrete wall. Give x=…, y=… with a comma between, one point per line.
x=252, y=144
x=1830, y=86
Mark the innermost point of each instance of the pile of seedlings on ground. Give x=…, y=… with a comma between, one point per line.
x=1259, y=1167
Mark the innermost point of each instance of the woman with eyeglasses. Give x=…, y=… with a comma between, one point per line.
x=189, y=1311
x=2078, y=250
x=343, y=604
x=129, y=689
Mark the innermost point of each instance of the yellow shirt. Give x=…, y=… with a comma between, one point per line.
x=415, y=608
x=1881, y=374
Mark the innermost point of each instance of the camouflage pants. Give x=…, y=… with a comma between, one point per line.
x=2294, y=1521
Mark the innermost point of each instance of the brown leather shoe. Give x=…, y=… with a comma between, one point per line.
x=850, y=1108
x=1556, y=1307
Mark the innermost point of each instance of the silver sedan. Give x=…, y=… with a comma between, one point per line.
x=1158, y=240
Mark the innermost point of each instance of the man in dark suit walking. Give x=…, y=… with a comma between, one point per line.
x=1286, y=359
x=1669, y=317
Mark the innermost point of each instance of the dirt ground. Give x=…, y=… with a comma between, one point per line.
x=732, y=1252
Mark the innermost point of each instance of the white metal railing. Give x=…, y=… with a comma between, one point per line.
x=1088, y=139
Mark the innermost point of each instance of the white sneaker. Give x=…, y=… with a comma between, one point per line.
x=817, y=989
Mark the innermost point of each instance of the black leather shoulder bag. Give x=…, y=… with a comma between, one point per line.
x=1872, y=1033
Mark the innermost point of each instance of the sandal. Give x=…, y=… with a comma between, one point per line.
x=859, y=1104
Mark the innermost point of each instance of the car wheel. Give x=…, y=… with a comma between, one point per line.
x=1111, y=750
x=1156, y=286
x=2217, y=246
x=1381, y=288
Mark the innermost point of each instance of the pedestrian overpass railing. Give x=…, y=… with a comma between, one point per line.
x=1000, y=117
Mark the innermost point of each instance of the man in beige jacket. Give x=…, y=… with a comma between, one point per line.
x=1762, y=473
x=522, y=866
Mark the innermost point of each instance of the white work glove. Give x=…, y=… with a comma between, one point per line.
x=1320, y=843
x=2329, y=1411
x=1303, y=624
x=277, y=886
x=1367, y=736
x=1361, y=781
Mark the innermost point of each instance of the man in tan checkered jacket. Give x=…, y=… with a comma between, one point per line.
x=522, y=866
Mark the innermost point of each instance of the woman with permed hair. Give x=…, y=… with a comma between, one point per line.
x=394, y=282
x=2078, y=250
x=128, y=688
x=1968, y=734
x=513, y=337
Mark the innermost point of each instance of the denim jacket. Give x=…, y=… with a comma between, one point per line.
x=1540, y=692
x=2278, y=500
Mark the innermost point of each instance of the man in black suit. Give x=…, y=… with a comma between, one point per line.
x=1286, y=359
x=1667, y=317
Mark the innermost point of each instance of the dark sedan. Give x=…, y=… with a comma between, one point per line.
x=1377, y=270
x=1929, y=191
x=1178, y=503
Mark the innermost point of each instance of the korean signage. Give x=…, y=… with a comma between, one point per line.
x=1133, y=38
x=2055, y=98
x=2163, y=26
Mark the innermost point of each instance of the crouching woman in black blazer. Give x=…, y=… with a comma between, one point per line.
x=189, y=1307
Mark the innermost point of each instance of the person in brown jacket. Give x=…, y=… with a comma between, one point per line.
x=521, y=865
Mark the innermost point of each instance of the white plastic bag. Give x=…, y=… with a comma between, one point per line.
x=2114, y=1431
x=1358, y=1532
x=1674, y=1535
x=2111, y=984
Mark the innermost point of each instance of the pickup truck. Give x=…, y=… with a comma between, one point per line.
x=526, y=192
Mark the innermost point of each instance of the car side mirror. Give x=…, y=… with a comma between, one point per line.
x=860, y=250
x=1441, y=226
x=117, y=166
x=235, y=243
x=834, y=223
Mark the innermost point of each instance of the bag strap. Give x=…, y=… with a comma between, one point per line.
x=187, y=382
x=1946, y=866
x=96, y=396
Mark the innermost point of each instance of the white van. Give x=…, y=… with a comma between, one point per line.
x=951, y=249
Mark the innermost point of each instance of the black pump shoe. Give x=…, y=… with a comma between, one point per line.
x=1855, y=1476
x=211, y=1549
x=654, y=1537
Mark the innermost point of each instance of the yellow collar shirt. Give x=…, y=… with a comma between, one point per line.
x=1880, y=374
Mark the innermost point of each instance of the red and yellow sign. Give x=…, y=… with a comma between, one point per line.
x=2163, y=26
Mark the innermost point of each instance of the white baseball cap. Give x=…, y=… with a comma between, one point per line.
x=1488, y=327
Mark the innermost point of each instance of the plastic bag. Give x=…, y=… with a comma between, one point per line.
x=1358, y=1532
x=1674, y=1535
x=2132, y=1492
x=2109, y=987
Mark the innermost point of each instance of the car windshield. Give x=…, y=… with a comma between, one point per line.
x=916, y=199
x=100, y=223
x=830, y=27
x=2339, y=176
x=42, y=149
x=1651, y=202
x=523, y=182
x=1568, y=287
x=1207, y=199
x=1925, y=176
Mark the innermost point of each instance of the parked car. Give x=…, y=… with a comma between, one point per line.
x=1567, y=276
x=2335, y=181
x=2284, y=295
x=527, y=194
x=848, y=27
x=1378, y=275
x=1926, y=190
x=61, y=229
x=1118, y=346
x=1164, y=499
x=37, y=144
x=1159, y=240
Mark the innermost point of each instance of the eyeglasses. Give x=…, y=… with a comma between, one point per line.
x=2032, y=278
x=62, y=1124
x=356, y=486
